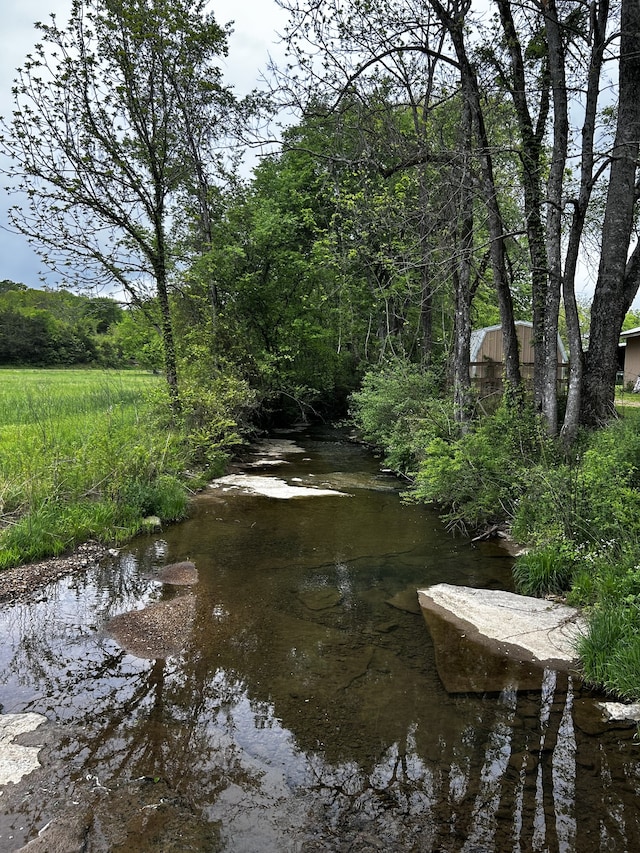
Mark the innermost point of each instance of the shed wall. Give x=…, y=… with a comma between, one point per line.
x=631, y=360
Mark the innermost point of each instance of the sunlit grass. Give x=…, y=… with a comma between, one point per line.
x=80, y=456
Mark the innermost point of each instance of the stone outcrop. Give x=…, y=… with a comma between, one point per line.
x=488, y=639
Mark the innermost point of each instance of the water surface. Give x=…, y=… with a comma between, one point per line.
x=304, y=711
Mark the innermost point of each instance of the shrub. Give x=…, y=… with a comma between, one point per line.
x=215, y=417
x=480, y=477
x=610, y=650
x=400, y=409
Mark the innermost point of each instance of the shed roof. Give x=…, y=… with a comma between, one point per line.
x=631, y=333
x=478, y=336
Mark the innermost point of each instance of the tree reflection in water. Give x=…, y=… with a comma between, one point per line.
x=304, y=713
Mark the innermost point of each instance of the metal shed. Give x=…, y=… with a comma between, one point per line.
x=487, y=356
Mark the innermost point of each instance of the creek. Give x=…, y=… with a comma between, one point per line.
x=301, y=710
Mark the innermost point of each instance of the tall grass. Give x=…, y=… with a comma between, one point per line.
x=80, y=457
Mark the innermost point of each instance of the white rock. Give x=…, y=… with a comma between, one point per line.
x=271, y=487
x=615, y=712
x=486, y=640
x=15, y=760
x=542, y=629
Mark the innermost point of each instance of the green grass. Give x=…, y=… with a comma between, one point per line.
x=80, y=457
x=610, y=650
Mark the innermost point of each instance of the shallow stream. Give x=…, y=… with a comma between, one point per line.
x=301, y=709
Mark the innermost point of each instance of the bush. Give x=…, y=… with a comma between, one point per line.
x=215, y=417
x=163, y=496
x=610, y=650
x=480, y=477
x=400, y=409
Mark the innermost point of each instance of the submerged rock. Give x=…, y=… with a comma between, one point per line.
x=320, y=599
x=277, y=447
x=146, y=815
x=158, y=631
x=405, y=600
x=179, y=574
x=486, y=640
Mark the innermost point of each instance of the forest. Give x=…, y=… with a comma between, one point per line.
x=444, y=166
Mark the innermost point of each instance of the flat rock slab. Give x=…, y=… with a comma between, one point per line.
x=277, y=447
x=270, y=487
x=15, y=760
x=486, y=640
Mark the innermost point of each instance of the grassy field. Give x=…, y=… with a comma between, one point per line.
x=81, y=455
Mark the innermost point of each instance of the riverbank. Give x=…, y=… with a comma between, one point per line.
x=20, y=582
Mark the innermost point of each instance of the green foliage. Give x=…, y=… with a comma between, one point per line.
x=43, y=327
x=164, y=496
x=590, y=498
x=545, y=571
x=479, y=478
x=583, y=518
x=136, y=339
x=631, y=320
x=610, y=650
x=607, y=572
x=400, y=409
x=214, y=418
x=216, y=412
x=608, y=482
x=263, y=298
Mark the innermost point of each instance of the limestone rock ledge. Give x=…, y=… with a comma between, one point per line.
x=488, y=639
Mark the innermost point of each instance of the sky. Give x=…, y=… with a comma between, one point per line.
x=257, y=24
x=255, y=38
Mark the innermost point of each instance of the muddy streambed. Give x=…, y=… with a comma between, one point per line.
x=288, y=699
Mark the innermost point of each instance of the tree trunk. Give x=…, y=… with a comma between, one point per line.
x=611, y=297
x=555, y=184
x=576, y=368
x=168, y=343
x=471, y=95
x=462, y=278
x=426, y=289
x=532, y=170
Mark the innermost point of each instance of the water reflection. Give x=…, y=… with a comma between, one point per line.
x=305, y=712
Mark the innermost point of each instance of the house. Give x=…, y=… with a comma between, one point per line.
x=487, y=361
x=629, y=360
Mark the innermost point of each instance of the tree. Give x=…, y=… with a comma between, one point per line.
x=550, y=58
x=414, y=58
x=619, y=269
x=567, y=48
x=111, y=118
